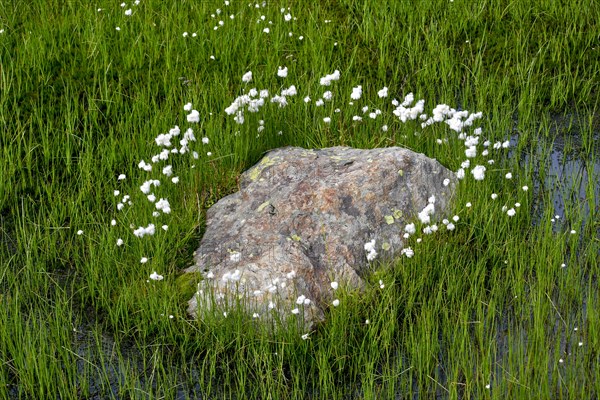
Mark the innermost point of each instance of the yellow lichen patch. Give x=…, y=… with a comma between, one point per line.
x=258, y=169
x=262, y=206
x=307, y=153
x=295, y=238
x=386, y=246
x=389, y=219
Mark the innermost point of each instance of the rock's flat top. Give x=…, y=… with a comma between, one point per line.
x=301, y=221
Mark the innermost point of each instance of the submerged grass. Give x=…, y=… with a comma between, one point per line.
x=499, y=308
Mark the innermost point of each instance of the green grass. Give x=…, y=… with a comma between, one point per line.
x=486, y=304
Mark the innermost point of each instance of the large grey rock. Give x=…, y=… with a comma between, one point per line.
x=301, y=220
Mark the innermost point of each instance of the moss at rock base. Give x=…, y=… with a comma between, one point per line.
x=187, y=285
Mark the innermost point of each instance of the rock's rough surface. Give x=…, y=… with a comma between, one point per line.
x=301, y=221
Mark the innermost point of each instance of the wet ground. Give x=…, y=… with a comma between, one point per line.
x=564, y=173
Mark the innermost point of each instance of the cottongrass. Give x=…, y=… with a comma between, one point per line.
x=453, y=290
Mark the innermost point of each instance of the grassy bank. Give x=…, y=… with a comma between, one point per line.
x=500, y=307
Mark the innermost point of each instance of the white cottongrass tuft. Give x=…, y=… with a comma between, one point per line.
x=247, y=77
x=143, y=231
x=471, y=152
x=370, y=249
x=194, y=116
x=282, y=72
x=424, y=215
x=383, y=92
x=163, y=140
x=232, y=276
x=405, y=113
x=281, y=100
x=156, y=277
x=336, y=303
x=143, y=165
x=334, y=285
x=291, y=91
x=408, y=252
x=164, y=206
x=327, y=79
x=356, y=92
x=478, y=172
x=168, y=170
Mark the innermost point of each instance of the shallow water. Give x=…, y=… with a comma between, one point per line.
x=564, y=173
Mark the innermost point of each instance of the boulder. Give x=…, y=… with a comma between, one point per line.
x=303, y=219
